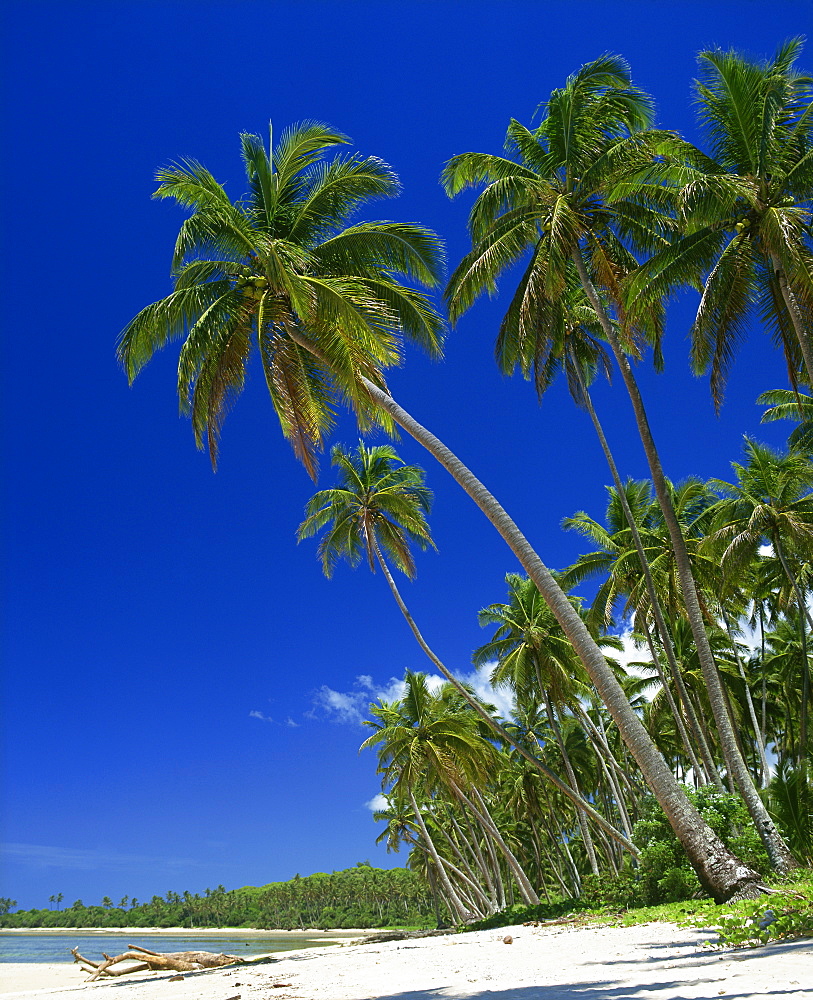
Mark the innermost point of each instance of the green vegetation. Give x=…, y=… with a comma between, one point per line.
x=356, y=897
x=586, y=790
x=787, y=912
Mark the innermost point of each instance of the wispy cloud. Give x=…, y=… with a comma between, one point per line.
x=259, y=715
x=352, y=707
x=42, y=856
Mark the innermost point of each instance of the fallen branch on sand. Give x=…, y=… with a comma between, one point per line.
x=177, y=961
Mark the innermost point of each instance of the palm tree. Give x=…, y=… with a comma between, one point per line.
x=377, y=509
x=746, y=210
x=533, y=655
x=422, y=750
x=771, y=501
x=573, y=200
x=619, y=562
x=279, y=267
x=332, y=330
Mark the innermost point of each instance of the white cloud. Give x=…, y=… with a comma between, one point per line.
x=259, y=715
x=378, y=803
x=630, y=653
x=352, y=707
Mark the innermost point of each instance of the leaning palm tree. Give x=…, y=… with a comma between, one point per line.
x=377, y=510
x=574, y=198
x=330, y=316
x=746, y=209
x=281, y=270
x=534, y=657
x=772, y=501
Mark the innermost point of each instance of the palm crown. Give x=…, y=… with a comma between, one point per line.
x=280, y=270
x=554, y=196
x=745, y=211
x=378, y=502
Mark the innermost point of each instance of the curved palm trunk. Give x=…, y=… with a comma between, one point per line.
x=571, y=774
x=484, y=817
x=781, y=858
x=654, y=600
x=494, y=887
x=606, y=759
x=720, y=873
x=462, y=912
x=491, y=722
x=763, y=760
x=796, y=317
x=804, y=615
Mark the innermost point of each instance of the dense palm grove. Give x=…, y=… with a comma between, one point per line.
x=356, y=897
x=691, y=771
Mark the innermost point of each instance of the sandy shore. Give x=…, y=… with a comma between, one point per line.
x=649, y=962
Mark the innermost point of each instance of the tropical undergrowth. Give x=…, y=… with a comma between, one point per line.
x=785, y=912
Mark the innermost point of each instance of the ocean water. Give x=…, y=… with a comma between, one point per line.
x=56, y=946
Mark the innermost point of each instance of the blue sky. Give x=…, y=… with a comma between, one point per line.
x=182, y=687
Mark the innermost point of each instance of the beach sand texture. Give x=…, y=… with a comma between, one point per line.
x=650, y=962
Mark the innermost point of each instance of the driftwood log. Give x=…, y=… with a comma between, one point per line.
x=176, y=961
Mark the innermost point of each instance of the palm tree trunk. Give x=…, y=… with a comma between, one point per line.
x=763, y=760
x=654, y=600
x=496, y=895
x=490, y=721
x=571, y=774
x=701, y=772
x=483, y=816
x=720, y=873
x=463, y=914
x=802, y=335
x=780, y=857
x=602, y=753
x=804, y=615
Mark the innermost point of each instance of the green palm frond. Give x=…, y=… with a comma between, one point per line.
x=721, y=320
x=279, y=270
x=335, y=190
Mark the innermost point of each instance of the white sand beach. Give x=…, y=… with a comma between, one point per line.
x=651, y=962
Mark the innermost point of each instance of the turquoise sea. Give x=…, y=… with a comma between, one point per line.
x=55, y=946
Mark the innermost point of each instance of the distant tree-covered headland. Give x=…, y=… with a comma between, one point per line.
x=356, y=897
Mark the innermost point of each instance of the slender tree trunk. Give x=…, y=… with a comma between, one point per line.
x=484, y=817
x=763, y=760
x=654, y=600
x=781, y=858
x=720, y=873
x=804, y=615
x=571, y=774
x=802, y=334
x=490, y=721
x=700, y=772
x=457, y=906
x=485, y=871
x=602, y=752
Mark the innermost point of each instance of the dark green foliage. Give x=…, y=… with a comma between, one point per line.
x=616, y=892
x=666, y=875
x=520, y=914
x=357, y=897
x=790, y=803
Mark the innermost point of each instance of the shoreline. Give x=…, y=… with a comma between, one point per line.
x=339, y=932
x=656, y=961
